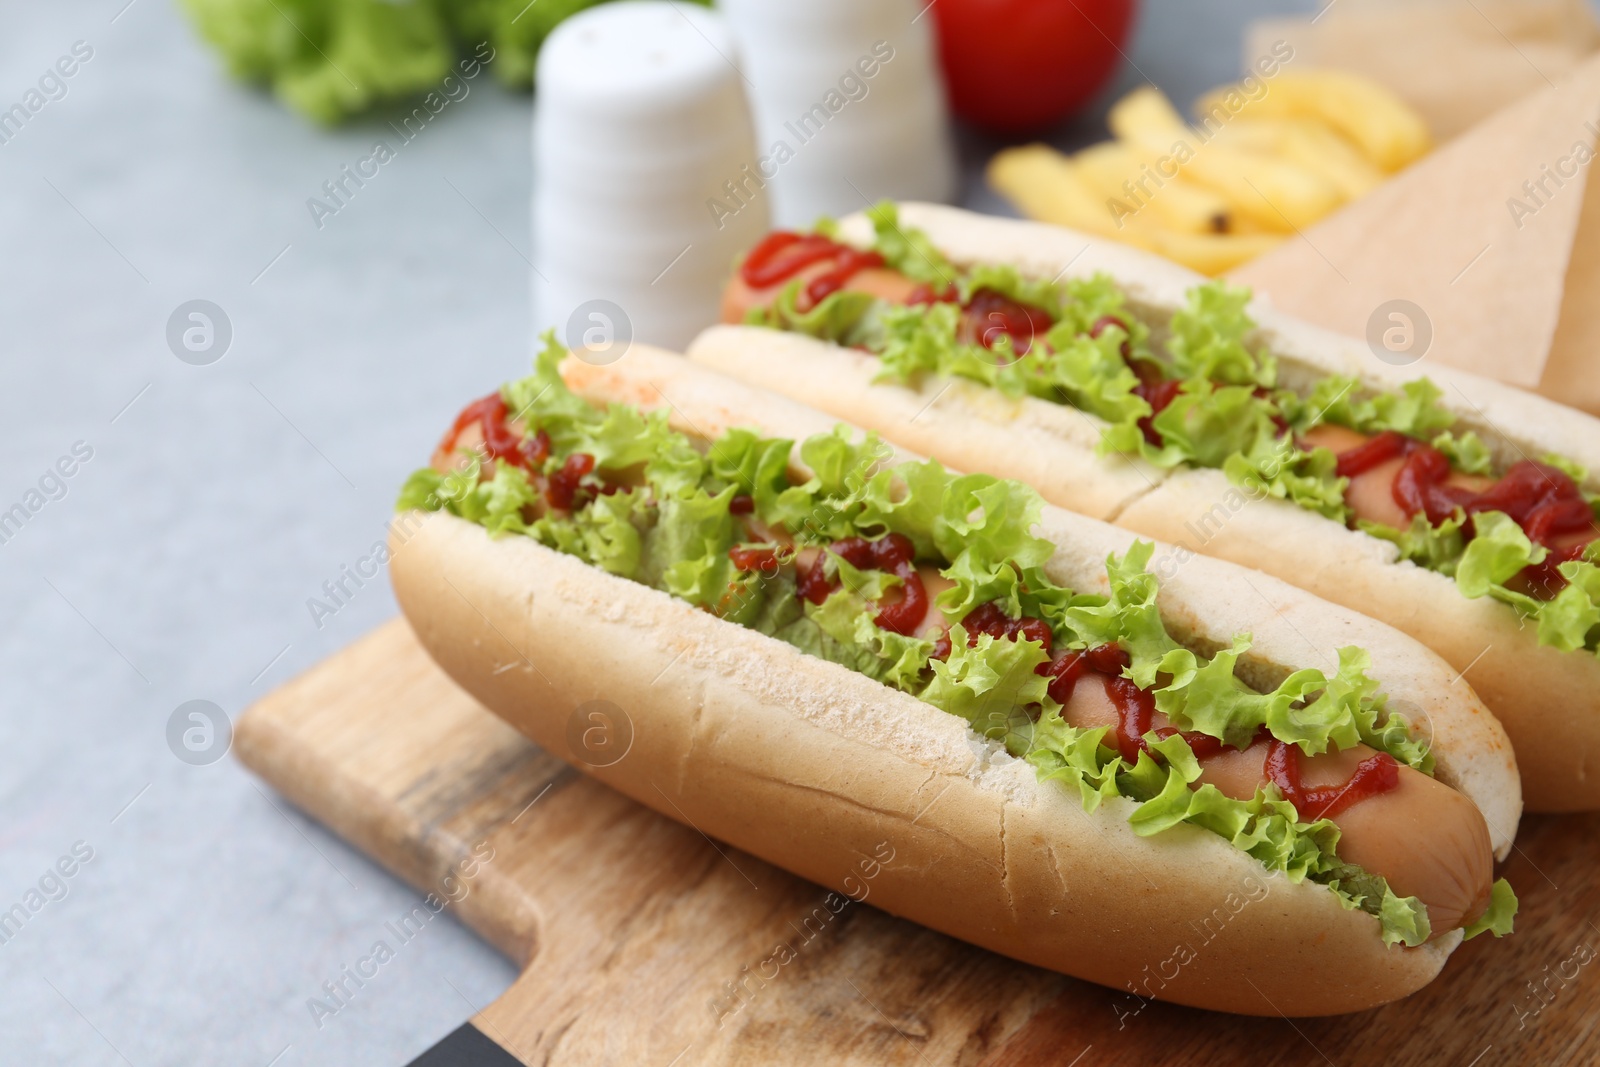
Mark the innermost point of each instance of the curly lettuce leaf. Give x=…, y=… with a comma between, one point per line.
x=1129, y=616
x=1499, y=552
x=1569, y=620
x=1206, y=339
x=1498, y=920
x=985, y=529
x=990, y=683
x=908, y=250
x=1007, y=281
x=1281, y=470
x=1438, y=548
x=1091, y=375
x=843, y=317
x=1466, y=453
x=895, y=660
x=1205, y=425
x=1413, y=410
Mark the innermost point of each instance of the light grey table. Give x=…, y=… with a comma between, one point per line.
x=175, y=562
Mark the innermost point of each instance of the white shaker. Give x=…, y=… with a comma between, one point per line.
x=640, y=125
x=849, y=103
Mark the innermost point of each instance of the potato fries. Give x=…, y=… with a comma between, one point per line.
x=1268, y=157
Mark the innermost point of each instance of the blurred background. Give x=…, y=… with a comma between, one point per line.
x=231, y=324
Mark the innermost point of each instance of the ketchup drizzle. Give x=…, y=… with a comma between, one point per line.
x=500, y=441
x=1381, y=449
x=1374, y=775
x=783, y=254
x=991, y=316
x=894, y=553
x=749, y=558
x=1159, y=395
x=563, y=487
x=1542, y=499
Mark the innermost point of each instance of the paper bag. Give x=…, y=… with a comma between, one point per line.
x=1493, y=239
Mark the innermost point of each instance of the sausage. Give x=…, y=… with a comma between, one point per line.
x=1424, y=838
x=1371, y=493
x=889, y=285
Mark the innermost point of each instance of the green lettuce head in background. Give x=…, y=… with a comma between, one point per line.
x=332, y=59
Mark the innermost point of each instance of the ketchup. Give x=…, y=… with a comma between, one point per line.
x=894, y=553
x=500, y=441
x=783, y=254
x=748, y=558
x=538, y=449
x=1542, y=499
x=993, y=316
x=989, y=619
x=1159, y=395
x=1136, y=709
x=1373, y=776
x=1380, y=449
x=1419, y=486
x=924, y=293
x=563, y=487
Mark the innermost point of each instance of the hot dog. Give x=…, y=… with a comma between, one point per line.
x=823, y=644
x=1453, y=508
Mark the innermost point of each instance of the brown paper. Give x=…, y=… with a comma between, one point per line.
x=1469, y=237
x=1455, y=61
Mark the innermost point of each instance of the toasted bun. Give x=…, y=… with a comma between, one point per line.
x=818, y=769
x=1548, y=700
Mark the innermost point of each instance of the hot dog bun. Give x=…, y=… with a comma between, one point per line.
x=1549, y=701
x=813, y=767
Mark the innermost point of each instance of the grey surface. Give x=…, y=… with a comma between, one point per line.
x=178, y=564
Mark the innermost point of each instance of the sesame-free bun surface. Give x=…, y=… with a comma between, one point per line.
x=1549, y=701
x=814, y=767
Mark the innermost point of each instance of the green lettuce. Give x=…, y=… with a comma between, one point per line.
x=1438, y=548
x=990, y=683
x=1280, y=469
x=332, y=59
x=1498, y=919
x=907, y=249
x=1498, y=553
x=1413, y=410
x=843, y=317
x=1208, y=339
x=1569, y=620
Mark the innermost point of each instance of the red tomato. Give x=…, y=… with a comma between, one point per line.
x=1016, y=66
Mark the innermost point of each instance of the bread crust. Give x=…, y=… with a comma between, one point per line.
x=814, y=767
x=1549, y=701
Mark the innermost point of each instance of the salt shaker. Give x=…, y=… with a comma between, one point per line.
x=849, y=105
x=641, y=128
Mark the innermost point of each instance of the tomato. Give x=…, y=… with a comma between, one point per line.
x=1017, y=66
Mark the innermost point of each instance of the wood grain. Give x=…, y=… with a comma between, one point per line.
x=643, y=942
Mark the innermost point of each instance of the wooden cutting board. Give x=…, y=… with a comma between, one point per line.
x=642, y=942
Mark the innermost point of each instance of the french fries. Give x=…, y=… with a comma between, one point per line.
x=1050, y=187
x=1272, y=191
x=1046, y=186
x=1268, y=158
x=1120, y=172
x=1310, y=144
x=1387, y=131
